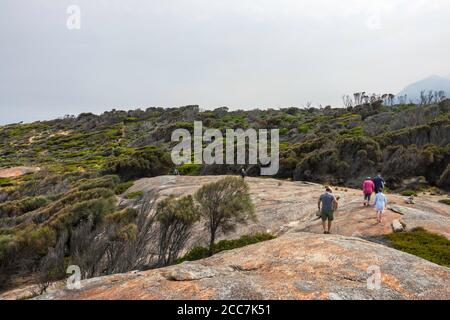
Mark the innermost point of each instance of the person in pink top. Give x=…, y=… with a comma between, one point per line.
x=368, y=188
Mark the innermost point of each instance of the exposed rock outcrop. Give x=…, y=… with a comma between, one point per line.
x=432, y=221
x=295, y=266
x=301, y=263
x=17, y=171
x=285, y=205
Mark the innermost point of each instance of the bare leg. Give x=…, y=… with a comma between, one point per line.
x=324, y=224
x=329, y=225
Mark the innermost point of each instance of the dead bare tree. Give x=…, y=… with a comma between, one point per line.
x=140, y=252
x=430, y=97
x=439, y=96
x=88, y=246
x=51, y=266
x=365, y=98
x=391, y=98
x=426, y=97
x=176, y=218
x=357, y=98
x=347, y=100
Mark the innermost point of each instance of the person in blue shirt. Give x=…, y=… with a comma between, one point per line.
x=378, y=182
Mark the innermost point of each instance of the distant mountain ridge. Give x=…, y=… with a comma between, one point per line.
x=433, y=83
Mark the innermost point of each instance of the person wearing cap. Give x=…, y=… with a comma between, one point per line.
x=368, y=188
x=327, y=204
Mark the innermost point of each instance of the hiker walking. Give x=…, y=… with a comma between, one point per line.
x=176, y=172
x=368, y=188
x=327, y=205
x=378, y=182
x=243, y=173
x=380, y=204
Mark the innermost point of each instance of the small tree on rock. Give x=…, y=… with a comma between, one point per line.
x=176, y=219
x=223, y=204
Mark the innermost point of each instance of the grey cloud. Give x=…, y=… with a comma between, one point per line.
x=241, y=54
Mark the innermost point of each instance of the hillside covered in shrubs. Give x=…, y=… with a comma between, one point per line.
x=336, y=145
x=71, y=210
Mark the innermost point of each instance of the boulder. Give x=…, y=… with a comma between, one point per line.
x=397, y=226
x=427, y=217
x=17, y=171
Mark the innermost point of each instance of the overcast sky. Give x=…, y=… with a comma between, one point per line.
x=235, y=53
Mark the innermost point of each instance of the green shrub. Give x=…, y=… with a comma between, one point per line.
x=127, y=232
x=40, y=239
x=196, y=253
x=353, y=132
x=95, y=209
x=148, y=162
x=445, y=201
x=408, y=193
x=6, y=182
x=304, y=128
x=19, y=207
x=242, y=241
x=284, y=131
x=126, y=216
x=176, y=219
x=134, y=195
x=108, y=182
x=427, y=245
x=122, y=187
x=224, y=204
x=189, y=169
x=77, y=196
x=5, y=244
x=202, y=252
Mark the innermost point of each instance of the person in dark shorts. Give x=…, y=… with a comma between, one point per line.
x=327, y=205
x=378, y=182
x=368, y=188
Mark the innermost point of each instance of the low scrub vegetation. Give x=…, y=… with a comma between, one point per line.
x=198, y=253
x=6, y=182
x=422, y=243
x=408, y=193
x=85, y=227
x=134, y=195
x=86, y=161
x=148, y=162
x=19, y=207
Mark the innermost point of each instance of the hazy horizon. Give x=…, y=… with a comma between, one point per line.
x=240, y=54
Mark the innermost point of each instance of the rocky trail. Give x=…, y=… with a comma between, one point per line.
x=285, y=205
x=301, y=263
